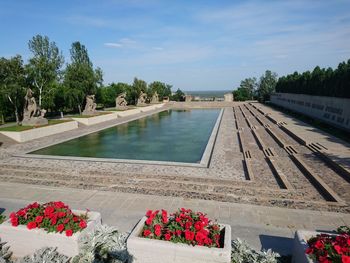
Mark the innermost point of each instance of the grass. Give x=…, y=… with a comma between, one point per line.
x=88, y=116
x=339, y=133
x=17, y=128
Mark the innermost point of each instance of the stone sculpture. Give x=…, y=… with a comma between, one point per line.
x=155, y=98
x=90, y=106
x=120, y=102
x=32, y=114
x=228, y=97
x=142, y=99
x=188, y=98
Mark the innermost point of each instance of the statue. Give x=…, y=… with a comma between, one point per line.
x=228, y=97
x=90, y=106
x=155, y=98
x=32, y=114
x=142, y=99
x=120, y=102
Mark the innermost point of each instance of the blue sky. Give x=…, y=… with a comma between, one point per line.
x=193, y=45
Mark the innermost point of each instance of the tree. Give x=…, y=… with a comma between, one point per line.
x=250, y=85
x=138, y=86
x=246, y=90
x=44, y=67
x=163, y=90
x=267, y=85
x=12, y=80
x=80, y=79
x=110, y=92
x=178, y=96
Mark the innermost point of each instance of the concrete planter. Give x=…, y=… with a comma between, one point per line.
x=158, y=251
x=300, y=245
x=97, y=119
x=35, y=133
x=24, y=242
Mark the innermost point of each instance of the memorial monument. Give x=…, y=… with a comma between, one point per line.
x=141, y=101
x=120, y=102
x=90, y=106
x=32, y=114
x=155, y=98
x=228, y=97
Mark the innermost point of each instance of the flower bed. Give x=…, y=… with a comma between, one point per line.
x=321, y=247
x=52, y=224
x=184, y=236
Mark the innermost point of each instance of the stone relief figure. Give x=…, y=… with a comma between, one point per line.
x=142, y=99
x=120, y=102
x=90, y=106
x=32, y=114
x=155, y=98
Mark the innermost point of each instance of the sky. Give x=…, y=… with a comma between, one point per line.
x=192, y=45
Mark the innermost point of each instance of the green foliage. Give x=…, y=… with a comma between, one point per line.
x=104, y=244
x=2, y=219
x=246, y=90
x=178, y=96
x=267, y=85
x=12, y=80
x=243, y=253
x=47, y=255
x=80, y=79
x=319, y=82
x=163, y=90
x=109, y=93
x=44, y=67
x=343, y=230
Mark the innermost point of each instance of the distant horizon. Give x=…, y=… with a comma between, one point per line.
x=197, y=44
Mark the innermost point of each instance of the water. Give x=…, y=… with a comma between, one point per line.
x=173, y=135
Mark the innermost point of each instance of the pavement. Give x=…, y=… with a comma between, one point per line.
x=261, y=226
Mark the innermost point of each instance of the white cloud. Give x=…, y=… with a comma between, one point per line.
x=115, y=45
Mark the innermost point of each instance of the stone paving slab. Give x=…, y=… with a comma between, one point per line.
x=267, y=227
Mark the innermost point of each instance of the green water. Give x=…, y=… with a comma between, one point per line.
x=174, y=135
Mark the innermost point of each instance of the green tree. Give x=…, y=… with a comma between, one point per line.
x=80, y=79
x=267, y=85
x=241, y=94
x=250, y=85
x=138, y=86
x=163, y=90
x=178, y=96
x=110, y=92
x=12, y=80
x=44, y=67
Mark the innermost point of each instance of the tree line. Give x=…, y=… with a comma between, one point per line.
x=59, y=89
x=251, y=89
x=319, y=82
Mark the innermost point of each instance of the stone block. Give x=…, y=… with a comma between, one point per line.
x=24, y=242
x=158, y=251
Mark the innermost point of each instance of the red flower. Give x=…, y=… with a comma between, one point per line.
x=60, y=228
x=149, y=213
x=59, y=204
x=165, y=217
x=39, y=219
x=198, y=226
x=149, y=221
x=188, y=224
x=75, y=219
x=53, y=221
x=146, y=233
x=189, y=235
x=345, y=259
x=49, y=210
x=31, y=225
x=82, y=224
x=319, y=244
x=178, y=232
x=14, y=221
x=61, y=214
x=338, y=249
x=157, y=230
x=21, y=212
x=309, y=250
x=167, y=236
x=69, y=232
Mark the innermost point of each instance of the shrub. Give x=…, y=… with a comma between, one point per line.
x=2, y=218
x=47, y=255
x=52, y=216
x=103, y=244
x=5, y=253
x=243, y=253
x=184, y=226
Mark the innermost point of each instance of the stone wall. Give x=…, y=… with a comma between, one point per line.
x=335, y=111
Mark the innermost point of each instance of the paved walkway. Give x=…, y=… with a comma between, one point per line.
x=262, y=227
